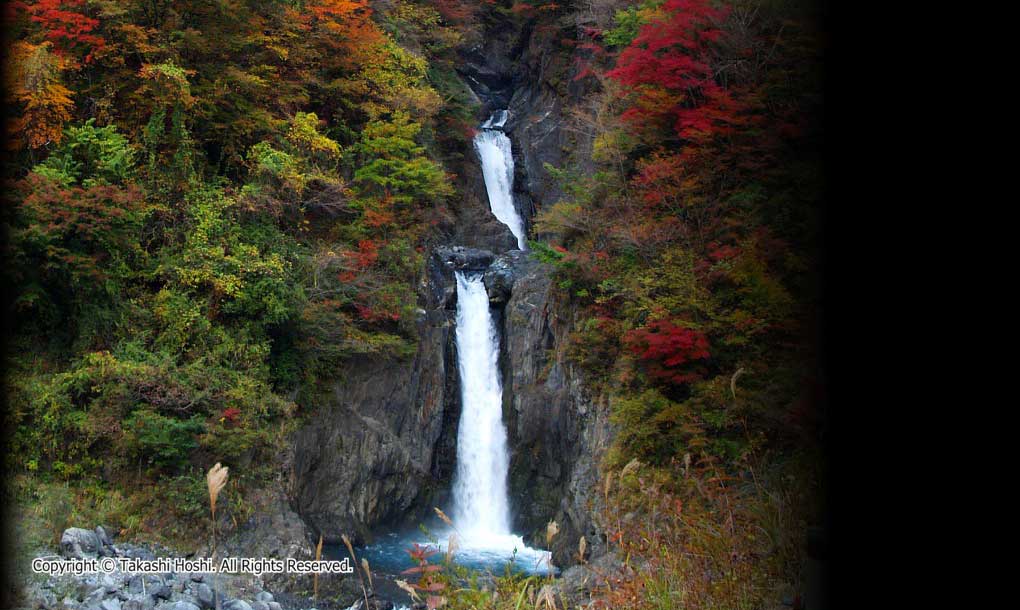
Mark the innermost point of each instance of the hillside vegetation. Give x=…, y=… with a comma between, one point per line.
x=214, y=205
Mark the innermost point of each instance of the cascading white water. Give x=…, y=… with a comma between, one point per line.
x=480, y=503
x=480, y=488
x=497, y=159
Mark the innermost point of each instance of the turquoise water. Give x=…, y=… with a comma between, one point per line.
x=388, y=554
x=387, y=557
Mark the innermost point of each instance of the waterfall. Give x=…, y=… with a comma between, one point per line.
x=494, y=151
x=480, y=487
x=481, y=512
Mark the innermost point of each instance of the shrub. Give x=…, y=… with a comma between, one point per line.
x=159, y=441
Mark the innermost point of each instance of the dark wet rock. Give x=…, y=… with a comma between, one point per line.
x=557, y=431
x=380, y=446
x=499, y=277
x=366, y=459
x=460, y=258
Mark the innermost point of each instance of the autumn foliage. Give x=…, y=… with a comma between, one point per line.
x=669, y=350
x=67, y=24
x=669, y=66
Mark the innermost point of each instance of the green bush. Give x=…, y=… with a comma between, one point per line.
x=160, y=441
x=90, y=156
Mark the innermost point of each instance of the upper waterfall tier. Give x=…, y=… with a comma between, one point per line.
x=495, y=153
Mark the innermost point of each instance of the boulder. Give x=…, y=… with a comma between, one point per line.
x=78, y=543
x=204, y=594
x=106, y=548
x=110, y=604
x=138, y=603
x=459, y=258
x=160, y=591
x=499, y=277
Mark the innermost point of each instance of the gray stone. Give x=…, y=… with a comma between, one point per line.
x=184, y=605
x=137, y=552
x=110, y=604
x=110, y=583
x=257, y=605
x=264, y=596
x=161, y=591
x=237, y=604
x=274, y=606
x=204, y=594
x=103, y=537
x=78, y=543
x=138, y=603
x=499, y=277
x=96, y=595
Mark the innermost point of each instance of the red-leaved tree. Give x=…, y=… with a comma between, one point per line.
x=66, y=24
x=670, y=352
x=668, y=68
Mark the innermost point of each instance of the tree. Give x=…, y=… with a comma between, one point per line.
x=65, y=24
x=34, y=82
x=166, y=138
x=394, y=165
x=669, y=68
x=90, y=156
x=669, y=350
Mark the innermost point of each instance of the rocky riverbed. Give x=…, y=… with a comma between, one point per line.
x=162, y=591
x=207, y=591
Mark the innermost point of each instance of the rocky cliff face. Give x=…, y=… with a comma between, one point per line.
x=381, y=449
x=557, y=431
